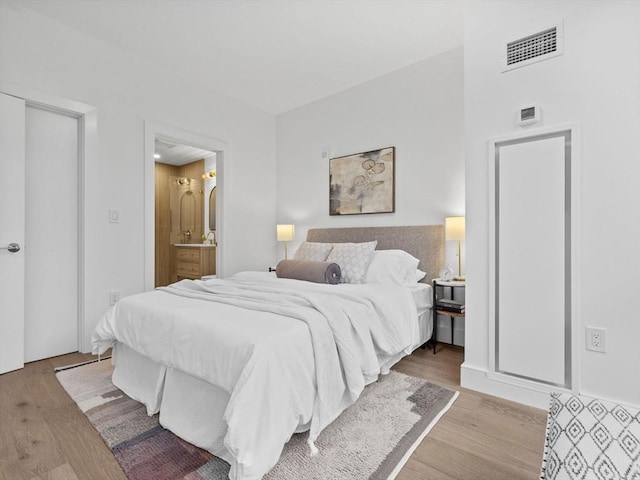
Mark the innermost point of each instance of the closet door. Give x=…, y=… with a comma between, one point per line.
x=532, y=257
x=12, y=179
x=39, y=212
x=51, y=263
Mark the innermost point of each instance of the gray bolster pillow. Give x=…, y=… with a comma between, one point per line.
x=318, y=272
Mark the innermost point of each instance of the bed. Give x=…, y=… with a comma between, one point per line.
x=237, y=366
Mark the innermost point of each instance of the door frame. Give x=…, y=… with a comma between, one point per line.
x=153, y=130
x=536, y=389
x=87, y=116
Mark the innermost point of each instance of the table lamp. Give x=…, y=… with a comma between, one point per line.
x=284, y=233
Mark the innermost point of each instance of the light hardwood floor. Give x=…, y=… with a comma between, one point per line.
x=44, y=436
x=481, y=437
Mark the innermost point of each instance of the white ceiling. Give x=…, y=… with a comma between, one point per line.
x=276, y=55
x=177, y=154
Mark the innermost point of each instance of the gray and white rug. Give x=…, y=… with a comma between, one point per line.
x=591, y=439
x=370, y=440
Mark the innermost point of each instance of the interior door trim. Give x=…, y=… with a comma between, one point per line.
x=223, y=174
x=572, y=251
x=87, y=153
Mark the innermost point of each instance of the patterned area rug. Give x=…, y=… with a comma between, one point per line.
x=591, y=439
x=370, y=440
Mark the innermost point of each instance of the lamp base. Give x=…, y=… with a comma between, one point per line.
x=459, y=279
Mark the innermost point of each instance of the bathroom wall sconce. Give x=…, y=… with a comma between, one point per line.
x=285, y=233
x=183, y=181
x=210, y=174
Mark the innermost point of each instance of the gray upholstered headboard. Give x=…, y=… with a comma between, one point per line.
x=425, y=242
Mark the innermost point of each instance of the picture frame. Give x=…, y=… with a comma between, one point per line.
x=363, y=183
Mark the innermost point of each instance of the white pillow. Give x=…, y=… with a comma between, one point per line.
x=419, y=274
x=313, y=251
x=396, y=267
x=353, y=259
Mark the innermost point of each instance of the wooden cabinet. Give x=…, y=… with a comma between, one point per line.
x=195, y=261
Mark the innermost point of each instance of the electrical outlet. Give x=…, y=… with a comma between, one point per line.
x=596, y=339
x=114, y=296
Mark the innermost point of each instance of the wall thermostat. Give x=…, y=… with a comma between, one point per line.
x=529, y=114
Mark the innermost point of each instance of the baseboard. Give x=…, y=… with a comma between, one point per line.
x=504, y=386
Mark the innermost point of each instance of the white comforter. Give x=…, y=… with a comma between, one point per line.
x=292, y=355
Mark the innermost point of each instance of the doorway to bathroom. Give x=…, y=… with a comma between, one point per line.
x=184, y=205
x=185, y=216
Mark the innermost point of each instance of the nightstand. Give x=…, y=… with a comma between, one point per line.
x=445, y=303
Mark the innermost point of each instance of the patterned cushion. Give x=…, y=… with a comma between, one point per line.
x=353, y=259
x=313, y=252
x=591, y=439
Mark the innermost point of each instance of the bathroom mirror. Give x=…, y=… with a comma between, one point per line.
x=212, y=210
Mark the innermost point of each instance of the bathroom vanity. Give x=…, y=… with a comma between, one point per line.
x=194, y=260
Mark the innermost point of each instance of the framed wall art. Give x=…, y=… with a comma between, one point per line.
x=362, y=183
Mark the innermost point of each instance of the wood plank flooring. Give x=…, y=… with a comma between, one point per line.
x=480, y=437
x=44, y=436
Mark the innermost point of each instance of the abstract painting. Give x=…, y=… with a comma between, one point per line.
x=362, y=183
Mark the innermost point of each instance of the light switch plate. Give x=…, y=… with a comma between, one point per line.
x=114, y=216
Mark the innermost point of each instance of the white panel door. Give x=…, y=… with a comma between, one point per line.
x=51, y=241
x=532, y=260
x=12, y=230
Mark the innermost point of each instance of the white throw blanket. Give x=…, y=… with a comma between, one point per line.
x=353, y=330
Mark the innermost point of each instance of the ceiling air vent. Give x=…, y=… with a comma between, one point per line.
x=533, y=48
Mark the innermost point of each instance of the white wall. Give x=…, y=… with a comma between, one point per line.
x=42, y=55
x=596, y=83
x=418, y=109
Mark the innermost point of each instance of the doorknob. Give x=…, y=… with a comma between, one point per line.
x=12, y=247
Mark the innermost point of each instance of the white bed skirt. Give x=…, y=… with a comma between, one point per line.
x=155, y=385
x=190, y=407
x=137, y=376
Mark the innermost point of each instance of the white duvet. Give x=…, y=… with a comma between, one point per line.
x=291, y=354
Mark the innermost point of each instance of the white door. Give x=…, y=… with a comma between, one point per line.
x=51, y=238
x=534, y=202
x=38, y=211
x=12, y=230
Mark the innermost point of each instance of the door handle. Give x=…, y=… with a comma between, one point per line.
x=12, y=247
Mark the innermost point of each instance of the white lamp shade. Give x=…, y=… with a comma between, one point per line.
x=454, y=228
x=285, y=233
